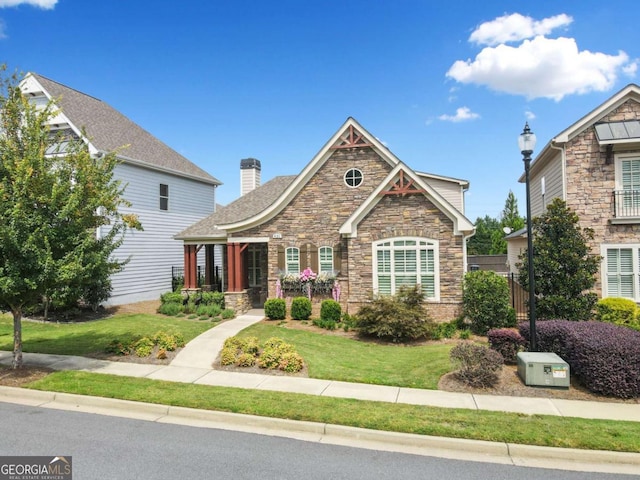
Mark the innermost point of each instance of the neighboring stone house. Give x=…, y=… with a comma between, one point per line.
x=166, y=191
x=594, y=166
x=357, y=216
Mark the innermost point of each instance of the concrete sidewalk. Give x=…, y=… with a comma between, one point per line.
x=194, y=365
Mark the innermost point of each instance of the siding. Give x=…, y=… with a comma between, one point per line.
x=153, y=252
x=451, y=191
x=552, y=174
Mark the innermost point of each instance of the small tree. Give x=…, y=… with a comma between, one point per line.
x=53, y=197
x=564, y=269
x=485, y=301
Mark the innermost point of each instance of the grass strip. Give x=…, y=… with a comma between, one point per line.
x=540, y=430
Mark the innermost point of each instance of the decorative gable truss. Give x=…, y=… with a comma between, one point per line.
x=351, y=138
x=404, y=181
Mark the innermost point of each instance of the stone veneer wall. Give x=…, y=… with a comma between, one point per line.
x=315, y=215
x=591, y=182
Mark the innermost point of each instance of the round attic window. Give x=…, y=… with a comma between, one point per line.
x=353, y=178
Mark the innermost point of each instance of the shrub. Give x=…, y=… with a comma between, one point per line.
x=485, y=301
x=620, y=311
x=118, y=348
x=396, y=318
x=300, y=308
x=228, y=356
x=170, y=308
x=330, y=310
x=605, y=357
x=171, y=297
x=290, y=362
x=272, y=354
x=245, y=360
x=165, y=341
x=275, y=309
x=328, y=324
x=506, y=341
x=444, y=330
x=477, y=365
x=212, y=310
x=228, y=313
x=465, y=334
x=143, y=347
x=212, y=298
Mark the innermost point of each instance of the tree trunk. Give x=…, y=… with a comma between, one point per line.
x=17, y=338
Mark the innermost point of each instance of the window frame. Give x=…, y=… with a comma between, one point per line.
x=254, y=266
x=323, y=262
x=635, y=269
x=353, y=178
x=288, y=262
x=164, y=197
x=395, y=261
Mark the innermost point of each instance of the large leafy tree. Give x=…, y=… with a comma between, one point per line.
x=564, y=268
x=489, y=236
x=53, y=197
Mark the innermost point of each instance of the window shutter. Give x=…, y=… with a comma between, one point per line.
x=313, y=258
x=304, y=262
x=281, y=261
x=337, y=257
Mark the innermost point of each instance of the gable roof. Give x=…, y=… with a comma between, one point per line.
x=630, y=92
x=108, y=130
x=461, y=225
x=248, y=205
x=265, y=202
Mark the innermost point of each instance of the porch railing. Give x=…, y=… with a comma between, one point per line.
x=626, y=203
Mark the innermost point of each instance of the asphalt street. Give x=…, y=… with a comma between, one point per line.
x=104, y=447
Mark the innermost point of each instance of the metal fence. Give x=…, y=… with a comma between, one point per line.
x=518, y=294
x=177, y=278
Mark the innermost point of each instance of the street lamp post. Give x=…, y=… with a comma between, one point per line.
x=527, y=142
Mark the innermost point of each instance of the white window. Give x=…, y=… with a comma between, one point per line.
x=325, y=255
x=620, y=271
x=164, y=197
x=292, y=255
x=402, y=262
x=627, y=185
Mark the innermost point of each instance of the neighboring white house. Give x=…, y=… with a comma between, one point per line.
x=166, y=191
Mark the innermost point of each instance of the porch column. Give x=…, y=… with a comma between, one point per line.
x=235, y=264
x=190, y=266
x=209, y=265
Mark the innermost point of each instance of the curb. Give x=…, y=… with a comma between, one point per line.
x=444, y=447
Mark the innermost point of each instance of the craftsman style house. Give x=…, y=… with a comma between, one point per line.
x=594, y=166
x=357, y=218
x=166, y=191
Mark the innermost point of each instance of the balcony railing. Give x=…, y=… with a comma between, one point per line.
x=626, y=203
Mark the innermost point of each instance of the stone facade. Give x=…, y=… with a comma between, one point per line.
x=313, y=218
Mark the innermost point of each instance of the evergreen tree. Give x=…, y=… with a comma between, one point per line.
x=564, y=268
x=53, y=197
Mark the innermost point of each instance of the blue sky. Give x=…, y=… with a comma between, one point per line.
x=447, y=86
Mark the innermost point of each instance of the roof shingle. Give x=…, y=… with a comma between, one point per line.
x=109, y=130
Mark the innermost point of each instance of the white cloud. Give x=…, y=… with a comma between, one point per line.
x=463, y=114
x=542, y=67
x=44, y=4
x=529, y=115
x=516, y=27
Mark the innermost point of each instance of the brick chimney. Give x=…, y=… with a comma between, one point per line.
x=249, y=175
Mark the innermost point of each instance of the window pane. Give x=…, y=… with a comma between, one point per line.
x=326, y=259
x=384, y=284
x=384, y=261
x=293, y=260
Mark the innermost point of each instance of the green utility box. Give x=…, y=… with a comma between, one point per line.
x=543, y=369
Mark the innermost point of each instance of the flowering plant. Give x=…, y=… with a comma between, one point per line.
x=307, y=275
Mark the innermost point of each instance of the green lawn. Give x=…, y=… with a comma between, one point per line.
x=339, y=358
x=83, y=338
x=541, y=430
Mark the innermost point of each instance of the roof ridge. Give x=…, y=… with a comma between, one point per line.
x=37, y=75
